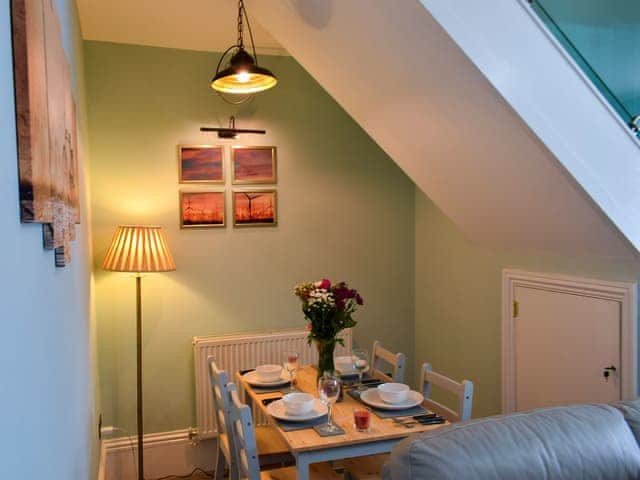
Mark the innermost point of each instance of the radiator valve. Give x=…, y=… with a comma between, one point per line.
x=194, y=438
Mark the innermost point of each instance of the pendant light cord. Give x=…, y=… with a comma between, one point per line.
x=240, y=42
x=243, y=11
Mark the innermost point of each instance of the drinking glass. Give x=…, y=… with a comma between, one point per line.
x=328, y=391
x=290, y=364
x=361, y=362
x=361, y=418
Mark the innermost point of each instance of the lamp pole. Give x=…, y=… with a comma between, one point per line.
x=139, y=375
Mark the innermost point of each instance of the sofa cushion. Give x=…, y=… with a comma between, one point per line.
x=576, y=442
x=631, y=411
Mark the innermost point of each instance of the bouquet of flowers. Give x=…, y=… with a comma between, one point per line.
x=328, y=310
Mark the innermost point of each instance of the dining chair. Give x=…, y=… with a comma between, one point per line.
x=462, y=390
x=370, y=467
x=272, y=449
x=381, y=358
x=222, y=412
x=246, y=451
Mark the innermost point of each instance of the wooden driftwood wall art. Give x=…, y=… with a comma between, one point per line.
x=46, y=126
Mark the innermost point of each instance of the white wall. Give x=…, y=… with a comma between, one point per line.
x=47, y=367
x=507, y=42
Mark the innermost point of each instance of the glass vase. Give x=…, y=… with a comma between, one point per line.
x=325, y=355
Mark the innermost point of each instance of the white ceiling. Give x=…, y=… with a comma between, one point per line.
x=187, y=24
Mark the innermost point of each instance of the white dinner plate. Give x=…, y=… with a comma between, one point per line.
x=276, y=410
x=372, y=398
x=252, y=379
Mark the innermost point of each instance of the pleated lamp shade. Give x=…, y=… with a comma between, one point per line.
x=139, y=249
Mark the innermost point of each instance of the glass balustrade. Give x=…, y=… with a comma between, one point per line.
x=603, y=37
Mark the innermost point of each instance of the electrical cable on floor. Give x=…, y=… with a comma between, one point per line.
x=185, y=477
x=133, y=452
x=168, y=477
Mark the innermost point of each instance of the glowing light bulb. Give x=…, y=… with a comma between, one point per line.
x=243, y=77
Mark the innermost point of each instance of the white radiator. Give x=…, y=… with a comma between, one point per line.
x=241, y=352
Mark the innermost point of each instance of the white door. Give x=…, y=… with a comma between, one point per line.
x=564, y=346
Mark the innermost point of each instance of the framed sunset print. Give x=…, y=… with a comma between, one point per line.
x=255, y=208
x=253, y=165
x=200, y=209
x=200, y=164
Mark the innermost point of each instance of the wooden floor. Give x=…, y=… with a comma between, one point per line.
x=195, y=476
x=200, y=476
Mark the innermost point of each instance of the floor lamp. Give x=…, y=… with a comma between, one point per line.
x=139, y=249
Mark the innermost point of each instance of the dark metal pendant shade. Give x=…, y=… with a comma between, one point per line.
x=243, y=75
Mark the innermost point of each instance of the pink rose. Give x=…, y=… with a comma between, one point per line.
x=324, y=284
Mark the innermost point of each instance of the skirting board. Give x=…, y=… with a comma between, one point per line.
x=102, y=460
x=166, y=453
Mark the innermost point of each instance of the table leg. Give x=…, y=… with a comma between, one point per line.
x=302, y=467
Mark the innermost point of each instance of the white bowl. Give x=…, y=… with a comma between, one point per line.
x=297, y=403
x=393, y=392
x=269, y=373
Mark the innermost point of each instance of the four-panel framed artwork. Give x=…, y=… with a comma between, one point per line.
x=248, y=166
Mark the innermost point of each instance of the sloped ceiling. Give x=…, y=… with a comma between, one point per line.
x=400, y=76
x=208, y=25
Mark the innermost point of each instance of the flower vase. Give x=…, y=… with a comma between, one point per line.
x=325, y=355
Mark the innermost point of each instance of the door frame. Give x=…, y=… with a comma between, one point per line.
x=626, y=293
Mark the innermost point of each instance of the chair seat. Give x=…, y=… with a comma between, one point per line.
x=269, y=442
x=317, y=471
x=272, y=450
x=366, y=468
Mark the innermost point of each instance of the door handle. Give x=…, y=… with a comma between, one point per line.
x=607, y=371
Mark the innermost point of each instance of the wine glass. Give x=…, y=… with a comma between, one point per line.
x=329, y=390
x=290, y=363
x=361, y=362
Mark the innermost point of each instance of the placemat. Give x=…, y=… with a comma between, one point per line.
x=293, y=426
x=352, y=378
x=275, y=389
x=380, y=413
x=337, y=431
x=280, y=388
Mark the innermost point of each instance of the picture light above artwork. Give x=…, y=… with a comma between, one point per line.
x=231, y=131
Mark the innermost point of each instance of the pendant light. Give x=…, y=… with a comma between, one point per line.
x=242, y=75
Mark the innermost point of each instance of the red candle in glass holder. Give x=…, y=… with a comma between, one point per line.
x=293, y=359
x=362, y=418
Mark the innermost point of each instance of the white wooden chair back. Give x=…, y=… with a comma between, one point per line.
x=245, y=447
x=379, y=356
x=221, y=387
x=463, y=390
x=221, y=398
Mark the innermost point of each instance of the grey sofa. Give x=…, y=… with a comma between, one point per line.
x=572, y=443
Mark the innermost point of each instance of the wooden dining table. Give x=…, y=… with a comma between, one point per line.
x=308, y=447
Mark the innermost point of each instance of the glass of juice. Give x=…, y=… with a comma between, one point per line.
x=362, y=418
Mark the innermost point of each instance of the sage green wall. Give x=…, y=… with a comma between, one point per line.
x=345, y=212
x=458, y=291
x=47, y=347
